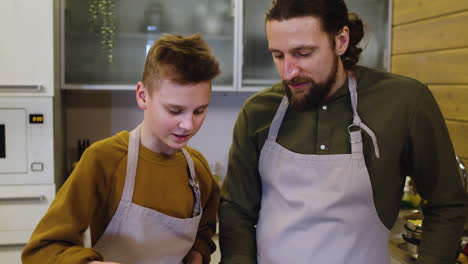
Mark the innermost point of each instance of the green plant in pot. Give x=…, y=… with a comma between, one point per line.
x=102, y=20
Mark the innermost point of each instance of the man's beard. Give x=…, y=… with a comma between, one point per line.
x=315, y=95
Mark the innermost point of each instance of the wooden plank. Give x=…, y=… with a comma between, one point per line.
x=405, y=11
x=459, y=135
x=440, y=33
x=452, y=100
x=441, y=67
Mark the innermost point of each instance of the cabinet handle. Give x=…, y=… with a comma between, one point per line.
x=24, y=198
x=20, y=88
x=13, y=245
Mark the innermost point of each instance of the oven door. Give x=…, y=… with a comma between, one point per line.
x=13, y=140
x=26, y=140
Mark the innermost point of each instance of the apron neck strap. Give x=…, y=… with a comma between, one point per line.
x=354, y=129
x=278, y=119
x=132, y=162
x=355, y=137
x=133, y=150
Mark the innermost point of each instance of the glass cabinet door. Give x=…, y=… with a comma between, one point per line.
x=106, y=41
x=258, y=70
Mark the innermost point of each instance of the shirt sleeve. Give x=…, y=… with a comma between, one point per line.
x=434, y=169
x=58, y=236
x=241, y=196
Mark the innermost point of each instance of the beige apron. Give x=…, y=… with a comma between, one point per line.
x=319, y=208
x=139, y=235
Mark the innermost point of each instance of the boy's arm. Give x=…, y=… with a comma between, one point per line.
x=58, y=236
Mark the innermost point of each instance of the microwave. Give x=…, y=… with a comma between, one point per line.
x=26, y=140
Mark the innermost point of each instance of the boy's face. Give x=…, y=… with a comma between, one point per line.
x=173, y=113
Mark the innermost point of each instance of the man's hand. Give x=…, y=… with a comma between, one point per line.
x=193, y=257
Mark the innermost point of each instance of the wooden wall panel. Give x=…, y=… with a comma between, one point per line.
x=452, y=100
x=443, y=67
x=440, y=33
x=405, y=11
x=459, y=135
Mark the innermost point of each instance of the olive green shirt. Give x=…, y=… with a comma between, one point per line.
x=413, y=140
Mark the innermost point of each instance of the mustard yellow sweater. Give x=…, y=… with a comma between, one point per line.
x=91, y=194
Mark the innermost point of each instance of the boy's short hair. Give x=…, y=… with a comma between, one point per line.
x=180, y=59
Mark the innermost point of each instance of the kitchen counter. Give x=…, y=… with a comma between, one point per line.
x=400, y=251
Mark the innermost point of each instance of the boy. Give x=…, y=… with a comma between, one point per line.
x=145, y=197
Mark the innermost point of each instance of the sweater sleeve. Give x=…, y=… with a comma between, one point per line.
x=207, y=227
x=436, y=176
x=58, y=236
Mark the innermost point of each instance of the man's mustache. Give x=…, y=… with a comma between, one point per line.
x=297, y=80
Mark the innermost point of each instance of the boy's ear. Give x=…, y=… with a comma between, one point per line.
x=141, y=95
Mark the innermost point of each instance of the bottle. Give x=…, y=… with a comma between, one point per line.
x=410, y=199
x=154, y=18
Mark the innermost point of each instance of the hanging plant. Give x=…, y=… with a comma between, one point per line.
x=102, y=20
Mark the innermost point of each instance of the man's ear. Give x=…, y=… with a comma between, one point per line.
x=141, y=95
x=342, y=41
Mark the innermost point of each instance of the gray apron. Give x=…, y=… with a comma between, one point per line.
x=139, y=235
x=319, y=208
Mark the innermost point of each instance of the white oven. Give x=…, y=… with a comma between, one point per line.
x=26, y=140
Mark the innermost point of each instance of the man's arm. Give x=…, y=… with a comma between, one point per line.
x=435, y=173
x=241, y=196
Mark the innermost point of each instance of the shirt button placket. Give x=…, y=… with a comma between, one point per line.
x=323, y=147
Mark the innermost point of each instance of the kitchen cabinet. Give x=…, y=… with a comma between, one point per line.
x=118, y=64
x=26, y=48
x=21, y=207
x=113, y=60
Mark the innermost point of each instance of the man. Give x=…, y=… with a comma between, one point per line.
x=316, y=175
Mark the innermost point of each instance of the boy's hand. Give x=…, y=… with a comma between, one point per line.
x=193, y=257
x=101, y=262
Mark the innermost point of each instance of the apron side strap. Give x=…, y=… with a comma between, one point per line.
x=193, y=183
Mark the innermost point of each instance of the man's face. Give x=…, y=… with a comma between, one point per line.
x=174, y=113
x=305, y=58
